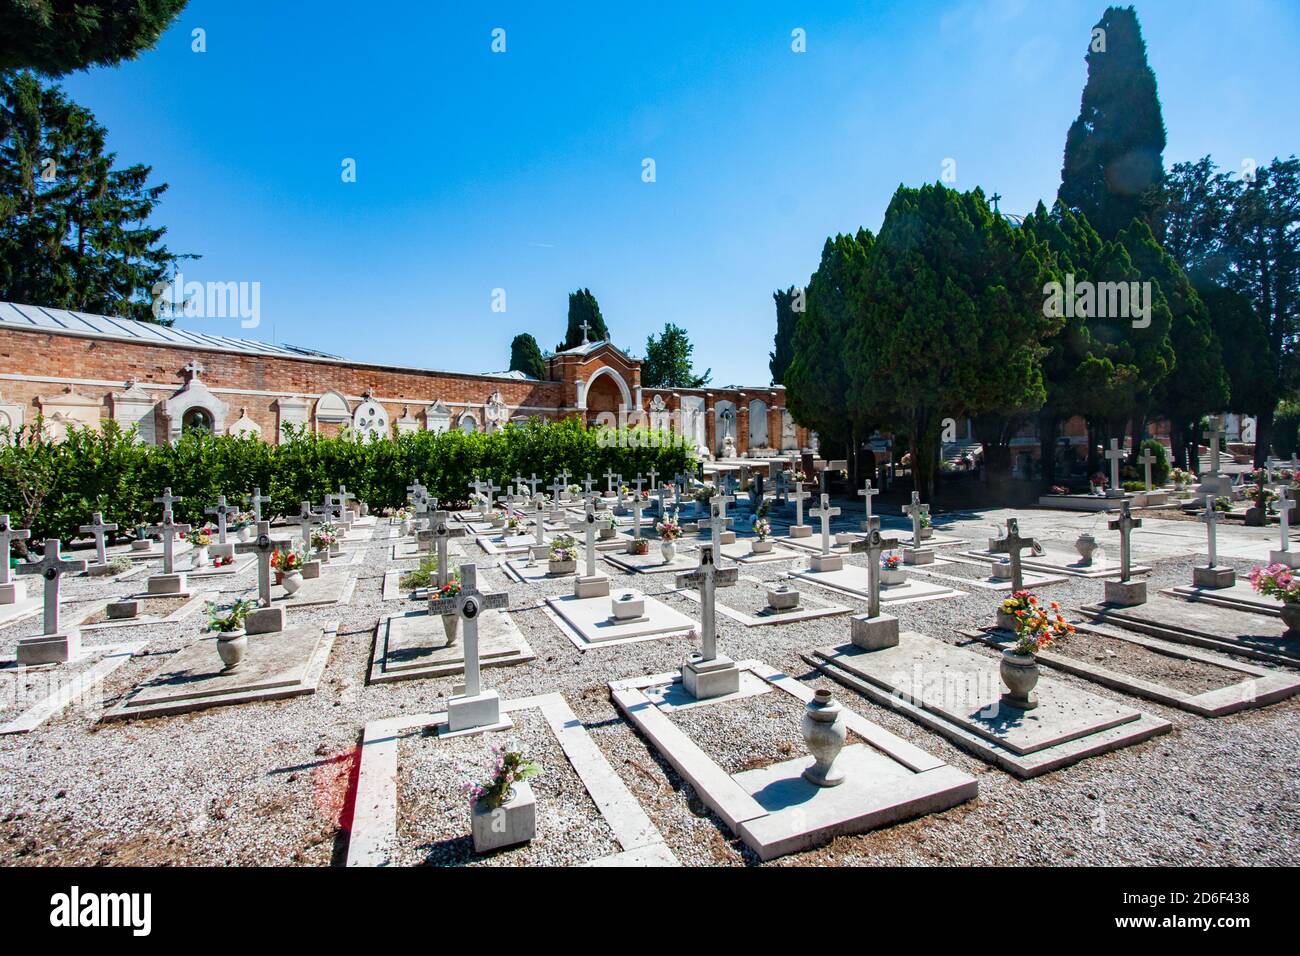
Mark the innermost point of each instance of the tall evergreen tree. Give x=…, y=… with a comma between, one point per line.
x=75, y=229
x=786, y=320
x=1113, y=151
x=667, y=362
x=583, y=307
x=526, y=356
x=56, y=37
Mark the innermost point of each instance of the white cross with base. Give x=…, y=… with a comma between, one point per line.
x=609, y=481
x=1284, y=506
x=587, y=483
x=470, y=603
x=618, y=487
x=564, y=479
x=557, y=487
x=1011, y=546
x=167, y=500
x=442, y=531
x=490, y=490
x=221, y=510
x=1211, y=519
x=589, y=530
x=636, y=510
x=257, y=499
x=716, y=523
x=1212, y=436
x=873, y=545
x=680, y=481
x=344, y=497
x=539, y=523
x=533, y=482
x=798, y=496
x=1124, y=524
x=263, y=546
x=1147, y=459
x=169, y=529
x=707, y=577
x=915, y=510
x=51, y=567
x=97, y=528
x=867, y=493
x=1115, y=455
x=305, y=517
x=825, y=513
x=8, y=533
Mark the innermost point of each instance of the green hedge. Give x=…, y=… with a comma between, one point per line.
x=52, y=488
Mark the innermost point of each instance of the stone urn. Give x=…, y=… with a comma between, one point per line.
x=242, y=532
x=824, y=733
x=451, y=627
x=926, y=532
x=669, y=550
x=760, y=546
x=201, y=557
x=1291, y=618
x=512, y=823
x=844, y=538
x=1020, y=674
x=292, y=582
x=232, y=645
x=607, y=533
x=892, y=576
x=561, y=567
x=1086, y=545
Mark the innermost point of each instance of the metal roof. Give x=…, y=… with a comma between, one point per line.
x=35, y=318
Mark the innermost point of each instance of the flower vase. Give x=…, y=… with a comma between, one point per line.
x=201, y=557
x=451, y=627
x=1291, y=618
x=1086, y=545
x=292, y=582
x=231, y=645
x=1020, y=674
x=824, y=732
x=669, y=550
x=760, y=546
x=242, y=532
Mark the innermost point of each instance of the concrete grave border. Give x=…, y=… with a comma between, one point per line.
x=377, y=675
x=749, y=620
x=569, y=630
x=187, y=609
x=115, y=655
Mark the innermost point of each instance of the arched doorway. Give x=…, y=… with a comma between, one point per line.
x=603, y=399
x=197, y=419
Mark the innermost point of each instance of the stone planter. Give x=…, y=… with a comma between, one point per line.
x=336, y=547
x=404, y=529
x=498, y=522
x=512, y=823
x=1086, y=545
x=292, y=582
x=782, y=597
x=760, y=546
x=561, y=567
x=607, y=533
x=1020, y=674
x=629, y=607
x=843, y=538
x=1006, y=622
x=200, y=559
x=927, y=533
x=892, y=576
x=232, y=645
x=669, y=550
x=824, y=733
x=451, y=627
x=1291, y=618
x=639, y=546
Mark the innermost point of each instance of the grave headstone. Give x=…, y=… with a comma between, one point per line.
x=54, y=645
x=1011, y=545
x=98, y=528
x=11, y=591
x=590, y=584
x=1114, y=455
x=265, y=619
x=1284, y=554
x=873, y=630
x=1125, y=592
x=168, y=582
x=916, y=553
x=1147, y=459
x=867, y=493
x=716, y=524
x=708, y=674
x=256, y=500
x=799, y=529
x=826, y=561
x=473, y=707
x=1212, y=576
x=443, y=531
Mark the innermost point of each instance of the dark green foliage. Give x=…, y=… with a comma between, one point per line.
x=1113, y=165
x=76, y=232
x=526, y=357
x=786, y=320
x=1159, y=467
x=583, y=307
x=60, y=36
x=1286, y=430
x=667, y=362
x=53, y=487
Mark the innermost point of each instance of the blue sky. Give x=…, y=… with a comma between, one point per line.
x=522, y=170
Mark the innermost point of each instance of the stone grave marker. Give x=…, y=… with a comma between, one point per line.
x=169, y=582
x=867, y=493
x=1212, y=576
x=1284, y=554
x=798, y=496
x=1114, y=455
x=222, y=511
x=708, y=673
x=826, y=561
x=98, y=528
x=256, y=500
x=1125, y=592
x=873, y=630
x=1011, y=546
x=11, y=591
x=591, y=584
x=473, y=708
x=53, y=646
x=265, y=618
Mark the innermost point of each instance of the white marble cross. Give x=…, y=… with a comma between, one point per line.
x=557, y=488
x=1124, y=524
x=1212, y=436
x=1284, y=506
x=706, y=577
x=220, y=510
x=1211, y=519
x=344, y=497
x=257, y=499
x=1115, y=455
x=305, y=517
x=533, y=482
x=167, y=499
x=97, y=528
x=589, y=530
x=825, y=513
x=716, y=523
x=798, y=496
x=564, y=479
x=636, y=512
x=609, y=480
x=867, y=493
x=1147, y=459
x=490, y=490
x=679, y=482
x=539, y=522
x=915, y=510
x=263, y=546
x=654, y=478
x=660, y=492
x=873, y=545
x=8, y=534
x=469, y=604
x=169, y=529
x=442, y=531
x=51, y=567
x=1011, y=546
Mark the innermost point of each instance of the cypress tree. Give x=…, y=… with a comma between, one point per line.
x=583, y=307
x=783, y=343
x=526, y=357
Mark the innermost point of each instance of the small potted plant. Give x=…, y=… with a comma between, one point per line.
x=288, y=569
x=1098, y=483
x=891, y=569
x=607, y=527
x=1222, y=504
x=497, y=518
x=573, y=491
x=638, y=546
x=1181, y=478
x=926, y=530
x=1280, y=582
x=403, y=518
x=228, y=624
x=1036, y=627
x=669, y=530
x=762, y=532
x=200, y=538
x=243, y=524
x=514, y=525
x=563, y=556
x=325, y=540
x=503, y=809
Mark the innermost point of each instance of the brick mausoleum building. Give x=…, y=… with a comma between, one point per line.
x=74, y=368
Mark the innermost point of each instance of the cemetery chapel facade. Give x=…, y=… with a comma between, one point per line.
x=77, y=369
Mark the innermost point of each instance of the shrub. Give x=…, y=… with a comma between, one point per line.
x=1159, y=467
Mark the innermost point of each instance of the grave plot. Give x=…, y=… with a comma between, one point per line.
x=420, y=644
x=331, y=587
x=1055, y=559
x=1196, y=681
x=742, y=552
x=620, y=617
x=276, y=665
x=153, y=552
x=959, y=693
x=1239, y=597
x=1225, y=629
x=216, y=572
x=854, y=580
x=141, y=609
x=755, y=603
x=409, y=808
x=501, y=545
x=767, y=798
x=653, y=561
x=970, y=573
x=392, y=587
x=29, y=696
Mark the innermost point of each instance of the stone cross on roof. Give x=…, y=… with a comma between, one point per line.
x=1012, y=545
x=52, y=567
x=586, y=329
x=8, y=534
x=1124, y=524
x=97, y=527
x=193, y=369
x=469, y=604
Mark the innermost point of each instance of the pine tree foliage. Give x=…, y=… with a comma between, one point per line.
x=56, y=37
